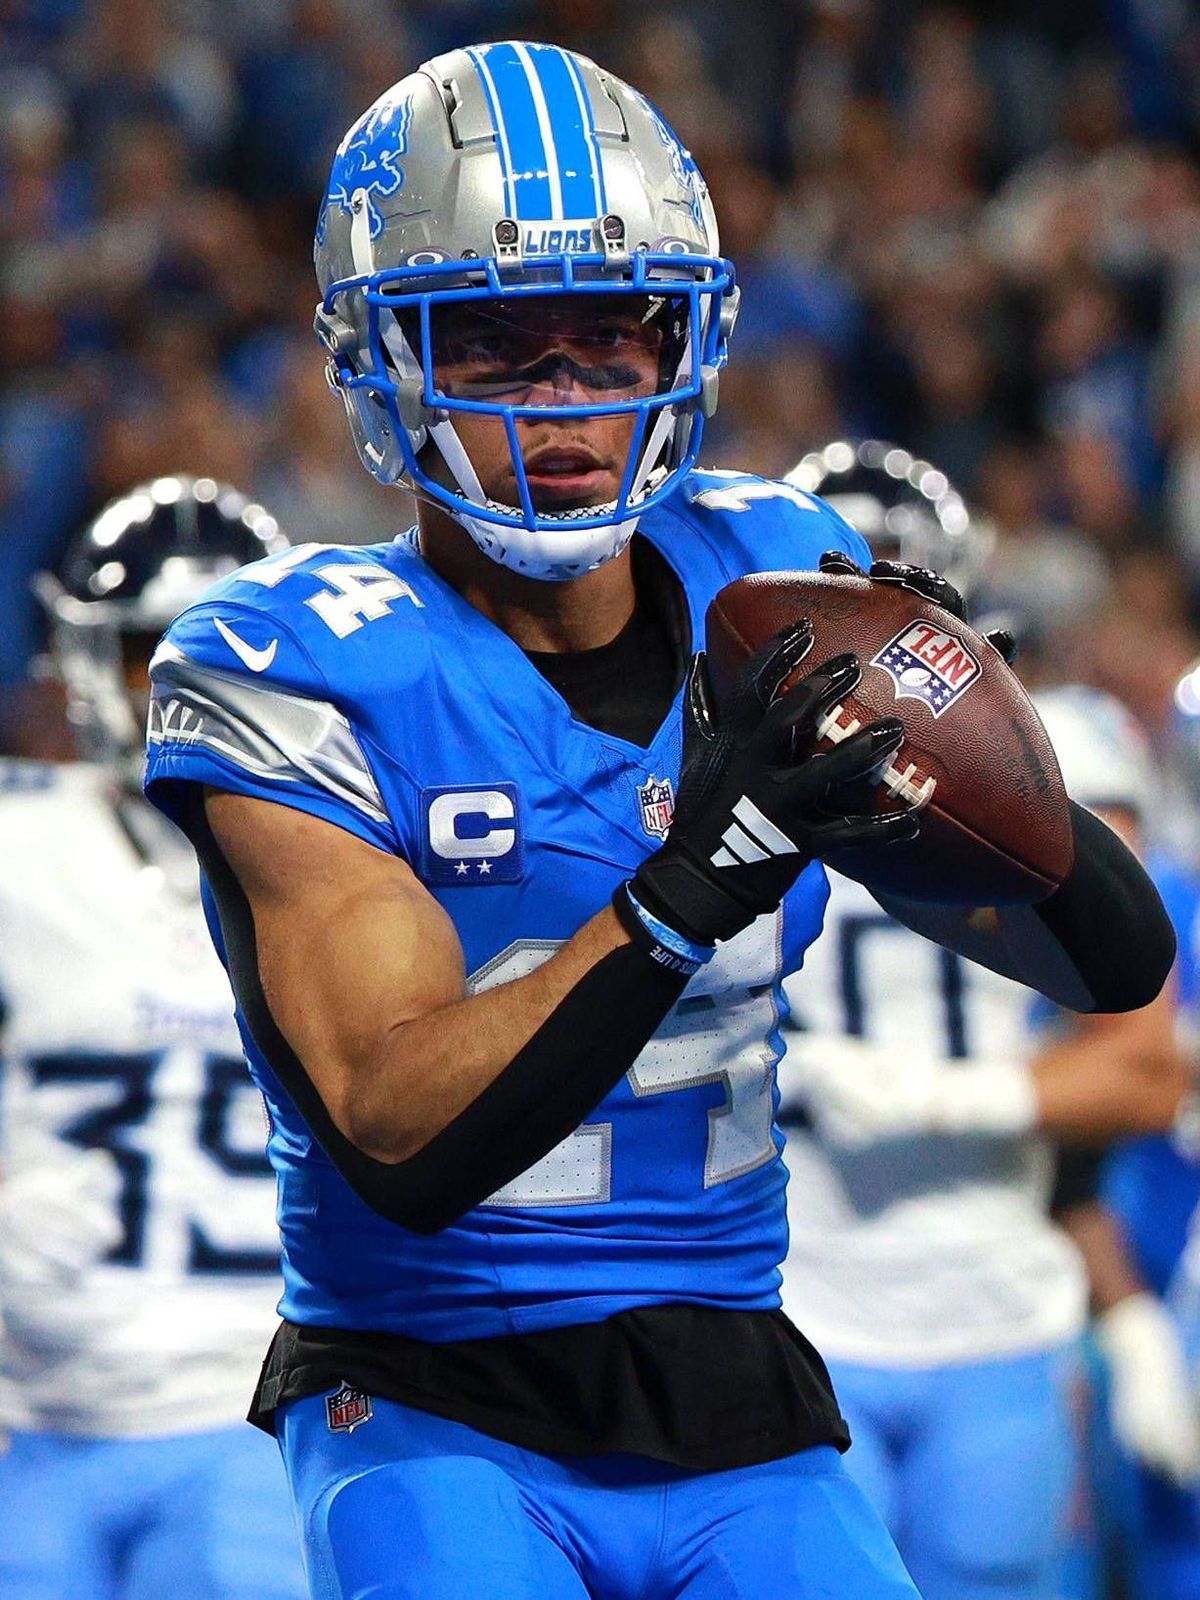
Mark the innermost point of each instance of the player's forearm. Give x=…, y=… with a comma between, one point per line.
x=1111, y=1076
x=350, y=979
x=527, y=1085
x=586, y=1043
x=1101, y=943
x=1106, y=1096
x=422, y=1072
x=1109, y=920
x=1112, y=1276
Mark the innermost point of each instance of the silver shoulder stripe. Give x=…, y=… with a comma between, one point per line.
x=267, y=732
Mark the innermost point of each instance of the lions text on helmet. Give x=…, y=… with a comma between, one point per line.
x=523, y=301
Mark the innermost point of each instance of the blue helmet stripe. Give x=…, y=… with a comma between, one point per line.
x=517, y=118
x=502, y=148
x=575, y=154
x=595, y=157
x=546, y=128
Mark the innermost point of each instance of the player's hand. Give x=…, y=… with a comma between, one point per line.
x=751, y=813
x=857, y=1093
x=924, y=581
x=1154, y=1412
x=928, y=584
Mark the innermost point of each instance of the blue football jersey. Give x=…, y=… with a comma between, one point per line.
x=355, y=684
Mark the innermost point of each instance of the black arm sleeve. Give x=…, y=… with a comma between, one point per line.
x=1110, y=920
x=1101, y=942
x=579, y=1053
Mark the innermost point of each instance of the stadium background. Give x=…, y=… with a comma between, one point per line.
x=974, y=229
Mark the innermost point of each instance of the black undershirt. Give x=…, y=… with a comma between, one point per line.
x=688, y=1385
x=693, y=1386
x=626, y=687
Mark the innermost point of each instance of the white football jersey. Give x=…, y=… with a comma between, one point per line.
x=927, y=1249
x=121, y=1080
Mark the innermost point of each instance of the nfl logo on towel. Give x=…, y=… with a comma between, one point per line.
x=346, y=1409
x=657, y=801
x=926, y=663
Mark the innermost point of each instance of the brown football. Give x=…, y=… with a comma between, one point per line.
x=995, y=823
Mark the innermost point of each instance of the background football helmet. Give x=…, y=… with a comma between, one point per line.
x=123, y=578
x=904, y=507
x=492, y=173
x=1103, y=754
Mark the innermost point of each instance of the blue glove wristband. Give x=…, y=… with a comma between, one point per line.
x=662, y=944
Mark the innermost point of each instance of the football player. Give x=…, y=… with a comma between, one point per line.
x=1151, y=1188
x=138, y=1262
x=518, y=1047
x=923, y=1258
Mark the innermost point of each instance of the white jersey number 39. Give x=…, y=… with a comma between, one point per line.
x=186, y=1132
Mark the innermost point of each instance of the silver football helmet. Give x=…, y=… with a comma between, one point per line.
x=124, y=578
x=506, y=177
x=904, y=507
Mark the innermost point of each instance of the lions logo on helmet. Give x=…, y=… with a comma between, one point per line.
x=530, y=176
x=368, y=161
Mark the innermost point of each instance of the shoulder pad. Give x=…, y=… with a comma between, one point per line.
x=266, y=685
x=312, y=619
x=783, y=525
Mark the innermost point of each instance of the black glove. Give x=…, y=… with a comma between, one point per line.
x=924, y=581
x=1003, y=641
x=756, y=802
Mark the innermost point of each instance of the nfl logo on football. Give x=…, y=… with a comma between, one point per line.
x=657, y=801
x=929, y=664
x=346, y=1409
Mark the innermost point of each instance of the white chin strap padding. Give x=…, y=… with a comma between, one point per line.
x=552, y=553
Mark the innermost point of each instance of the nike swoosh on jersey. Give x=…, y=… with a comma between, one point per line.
x=257, y=660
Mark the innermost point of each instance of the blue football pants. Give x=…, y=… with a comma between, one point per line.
x=203, y=1516
x=972, y=1466
x=414, y=1507
x=1148, y=1528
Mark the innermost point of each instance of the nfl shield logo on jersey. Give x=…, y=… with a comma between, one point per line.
x=656, y=798
x=346, y=1409
x=927, y=663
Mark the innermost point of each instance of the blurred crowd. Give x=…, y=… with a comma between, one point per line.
x=973, y=228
